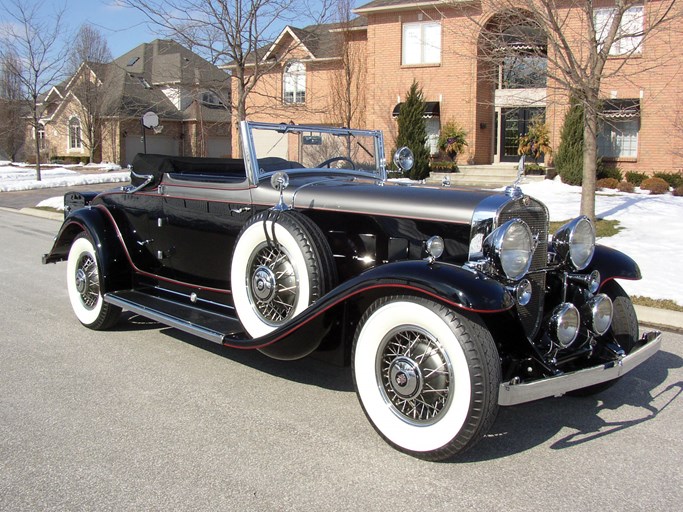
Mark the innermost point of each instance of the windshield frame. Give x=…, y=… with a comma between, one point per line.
x=255, y=174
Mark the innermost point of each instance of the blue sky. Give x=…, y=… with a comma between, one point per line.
x=123, y=27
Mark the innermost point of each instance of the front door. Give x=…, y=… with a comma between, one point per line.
x=515, y=123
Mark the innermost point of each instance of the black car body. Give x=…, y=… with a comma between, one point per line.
x=446, y=302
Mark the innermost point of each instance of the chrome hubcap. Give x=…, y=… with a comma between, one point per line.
x=415, y=375
x=273, y=286
x=87, y=281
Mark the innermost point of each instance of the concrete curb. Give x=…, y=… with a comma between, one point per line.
x=664, y=319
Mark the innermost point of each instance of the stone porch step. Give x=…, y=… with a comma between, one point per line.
x=488, y=176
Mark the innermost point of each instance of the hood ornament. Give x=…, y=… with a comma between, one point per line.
x=514, y=191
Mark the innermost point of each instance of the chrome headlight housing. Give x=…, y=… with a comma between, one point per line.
x=575, y=242
x=510, y=248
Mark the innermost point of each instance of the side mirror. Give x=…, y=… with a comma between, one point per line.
x=404, y=158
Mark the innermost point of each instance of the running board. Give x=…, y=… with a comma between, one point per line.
x=199, y=322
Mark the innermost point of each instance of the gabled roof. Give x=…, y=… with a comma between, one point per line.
x=318, y=41
x=134, y=82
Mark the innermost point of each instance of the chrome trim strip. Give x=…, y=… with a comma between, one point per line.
x=513, y=394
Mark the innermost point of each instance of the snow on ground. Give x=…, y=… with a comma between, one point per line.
x=22, y=177
x=651, y=232
x=651, y=225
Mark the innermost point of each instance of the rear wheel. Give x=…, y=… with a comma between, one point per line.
x=84, y=286
x=426, y=376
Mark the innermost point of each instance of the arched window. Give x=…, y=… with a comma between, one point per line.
x=294, y=83
x=75, y=133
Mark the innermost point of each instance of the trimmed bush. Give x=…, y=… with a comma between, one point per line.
x=655, y=185
x=678, y=192
x=636, y=177
x=625, y=186
x=674, y=179
x=607, y=183
x=609, y=171
x=569, y=157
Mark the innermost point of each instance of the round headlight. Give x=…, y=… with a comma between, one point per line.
x=601, y=311
x=576, y=241
x=510, y=248
x=564, y=324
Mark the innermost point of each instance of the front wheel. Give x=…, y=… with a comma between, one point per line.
x=83, y=284
x=426, y=376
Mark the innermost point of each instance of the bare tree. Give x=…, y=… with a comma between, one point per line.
x=89, y=45
x=33, y=37
x=577, y=37
x=231, y=32
x=347, y=94
x=12, y=134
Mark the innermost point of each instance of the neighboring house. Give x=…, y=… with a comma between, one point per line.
x=428, y=41
x=99, y=109
x=305, y=79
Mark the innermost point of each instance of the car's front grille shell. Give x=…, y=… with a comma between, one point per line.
x=535, y=215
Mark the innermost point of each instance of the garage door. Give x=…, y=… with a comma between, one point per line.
x=218, y=147
x=158, y=144
x=270, y=143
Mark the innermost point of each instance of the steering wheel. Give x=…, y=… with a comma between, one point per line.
x=337, y=159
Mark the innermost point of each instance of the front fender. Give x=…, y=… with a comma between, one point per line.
x=445, y=283
x=613, y=264
x=115, y=273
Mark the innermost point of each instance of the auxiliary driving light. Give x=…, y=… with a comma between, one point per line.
x=564, y=324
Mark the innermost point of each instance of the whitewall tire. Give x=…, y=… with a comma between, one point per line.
x=426, y=376
x=83, y=285
x=280, y=265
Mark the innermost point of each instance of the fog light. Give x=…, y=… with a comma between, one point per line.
x=564, y=324
x=434, y=247
x=600, y=313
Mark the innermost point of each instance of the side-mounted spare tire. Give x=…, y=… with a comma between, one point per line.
x=281, y=264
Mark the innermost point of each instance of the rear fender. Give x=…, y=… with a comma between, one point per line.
x=115, y=272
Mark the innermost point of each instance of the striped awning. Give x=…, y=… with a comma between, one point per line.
x=621, y=109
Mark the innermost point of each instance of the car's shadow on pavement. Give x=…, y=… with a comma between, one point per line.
x=631, y=401
x=635, y=398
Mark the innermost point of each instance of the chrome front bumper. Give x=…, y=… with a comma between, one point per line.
x=511, y=393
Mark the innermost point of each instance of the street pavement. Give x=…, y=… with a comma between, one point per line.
x=143, y=417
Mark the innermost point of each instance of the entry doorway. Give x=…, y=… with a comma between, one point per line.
x=515, y=123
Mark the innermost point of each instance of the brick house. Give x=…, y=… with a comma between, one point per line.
x=101, y=106
x=438, y=45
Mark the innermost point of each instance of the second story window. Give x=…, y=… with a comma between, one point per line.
x=75, y=134
x=421, y=43
x=630, y=33
x=294, y=83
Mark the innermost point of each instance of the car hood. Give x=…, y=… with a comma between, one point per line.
x=394, y=199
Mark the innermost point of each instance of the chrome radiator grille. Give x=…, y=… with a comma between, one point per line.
x=536, y=216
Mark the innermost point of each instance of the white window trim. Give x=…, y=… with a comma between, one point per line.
x=617, y=138
x=629, y=38
x=296, y=80
x=429, y=49
x=79, y=146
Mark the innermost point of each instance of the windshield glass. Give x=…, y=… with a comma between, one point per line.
x=275, y=147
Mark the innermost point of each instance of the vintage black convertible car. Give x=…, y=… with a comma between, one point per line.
x=446, y=302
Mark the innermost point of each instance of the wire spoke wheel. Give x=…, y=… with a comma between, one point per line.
x=87, y=281
x=416, y=375
x=273, y=286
